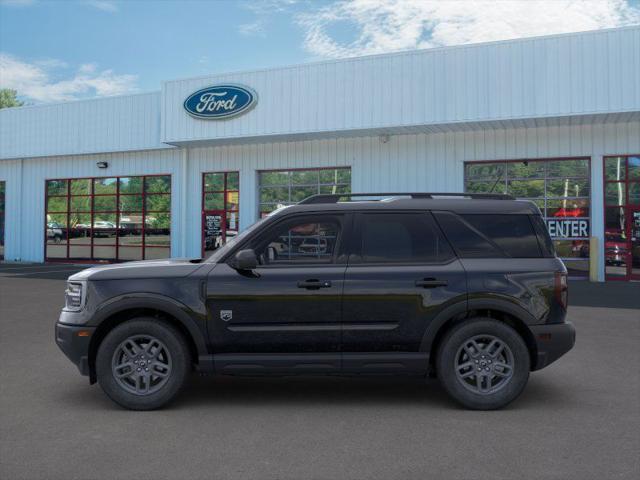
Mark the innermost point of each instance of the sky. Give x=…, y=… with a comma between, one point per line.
x=59, y=50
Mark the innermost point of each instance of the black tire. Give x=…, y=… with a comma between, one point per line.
x=452, y=356
x=176, y=349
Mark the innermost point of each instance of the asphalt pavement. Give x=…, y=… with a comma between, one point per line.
x=578, y=418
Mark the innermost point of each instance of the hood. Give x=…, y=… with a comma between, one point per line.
x=165, y=268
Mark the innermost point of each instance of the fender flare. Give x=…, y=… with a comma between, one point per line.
x=162, y=303
x=462, y=307
x=459, y=307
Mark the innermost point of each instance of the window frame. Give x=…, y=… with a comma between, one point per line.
x=117, y=212
x=355, y=243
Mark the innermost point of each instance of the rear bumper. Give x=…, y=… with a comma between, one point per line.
x=552, y=342
x=75, y=346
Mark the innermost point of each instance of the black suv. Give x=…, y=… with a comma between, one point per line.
x=464, y=287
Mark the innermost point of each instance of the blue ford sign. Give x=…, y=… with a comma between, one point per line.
x=220, y=101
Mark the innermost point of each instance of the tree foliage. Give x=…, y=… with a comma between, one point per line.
x=9, y=98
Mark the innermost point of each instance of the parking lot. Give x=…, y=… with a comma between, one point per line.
x=579, y=418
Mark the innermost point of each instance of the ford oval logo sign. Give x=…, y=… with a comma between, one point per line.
x=220, y=101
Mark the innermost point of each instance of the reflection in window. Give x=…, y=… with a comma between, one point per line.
x=304, y=242
x=280, y=188
x=107, y=219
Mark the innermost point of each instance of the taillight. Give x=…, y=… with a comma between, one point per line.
x=562, y=289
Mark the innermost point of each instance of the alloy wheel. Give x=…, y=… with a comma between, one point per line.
x=141, y=364
x=484, y=364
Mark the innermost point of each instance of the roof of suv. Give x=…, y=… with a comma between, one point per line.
x=453, y=202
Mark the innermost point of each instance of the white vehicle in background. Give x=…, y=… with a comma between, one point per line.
x=54, y=232
x=102, y=228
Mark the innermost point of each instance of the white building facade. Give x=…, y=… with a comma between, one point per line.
x=554, y=119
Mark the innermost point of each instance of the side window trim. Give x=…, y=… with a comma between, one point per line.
x=355, y=250
x=343, y=224
x=474, y=230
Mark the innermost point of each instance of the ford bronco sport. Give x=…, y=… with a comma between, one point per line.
x=464, y=287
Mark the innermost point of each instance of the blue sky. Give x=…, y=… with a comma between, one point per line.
x=63, y=50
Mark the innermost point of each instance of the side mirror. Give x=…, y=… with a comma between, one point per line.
x=245, y=260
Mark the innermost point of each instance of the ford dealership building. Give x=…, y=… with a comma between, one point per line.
x=177, y=172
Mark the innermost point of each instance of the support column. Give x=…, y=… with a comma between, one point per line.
x=597, y=211
x=248, y=197
x=184, y=201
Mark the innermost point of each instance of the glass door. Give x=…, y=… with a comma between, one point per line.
x=622, y=217
x=634, y=243
x=220, y=210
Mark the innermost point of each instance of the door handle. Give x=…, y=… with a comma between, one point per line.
x=431, y=283
x=314, y=284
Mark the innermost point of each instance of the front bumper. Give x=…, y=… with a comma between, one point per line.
x=552, y=341
x=74, y=342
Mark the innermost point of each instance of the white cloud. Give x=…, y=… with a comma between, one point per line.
x=269, y=6
x=104, y=5
x=36, y=81
x=51, y=63
x=252, y=29
x=389, y=25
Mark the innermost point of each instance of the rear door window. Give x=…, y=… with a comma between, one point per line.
x=405, y=238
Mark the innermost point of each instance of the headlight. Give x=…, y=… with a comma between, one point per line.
x=74, y=296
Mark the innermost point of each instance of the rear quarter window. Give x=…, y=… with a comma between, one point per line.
x=491, y=235
x=514, y=234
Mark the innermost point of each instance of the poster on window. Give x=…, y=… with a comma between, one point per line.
x=213, y=232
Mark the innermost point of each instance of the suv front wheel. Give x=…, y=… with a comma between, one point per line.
x=143, y=363
x=483, y=363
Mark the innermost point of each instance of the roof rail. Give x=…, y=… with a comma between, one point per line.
x=335, y=197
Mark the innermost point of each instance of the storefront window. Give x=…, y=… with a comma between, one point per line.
x=622, y=217
x=2, y=210
x=560, y=188
x=108, y=219
x=220, y=209
x=278, y=188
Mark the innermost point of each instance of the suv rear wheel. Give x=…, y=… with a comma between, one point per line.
x=483, y=364
x=143, y=363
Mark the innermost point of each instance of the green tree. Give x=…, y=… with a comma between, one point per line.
x=8, y=98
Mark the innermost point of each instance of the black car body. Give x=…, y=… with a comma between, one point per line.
x=391, y=282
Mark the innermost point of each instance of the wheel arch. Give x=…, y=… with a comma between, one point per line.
x=119, y=311
x=502, y=310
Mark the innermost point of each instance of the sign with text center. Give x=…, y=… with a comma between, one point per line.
x=219, y=102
